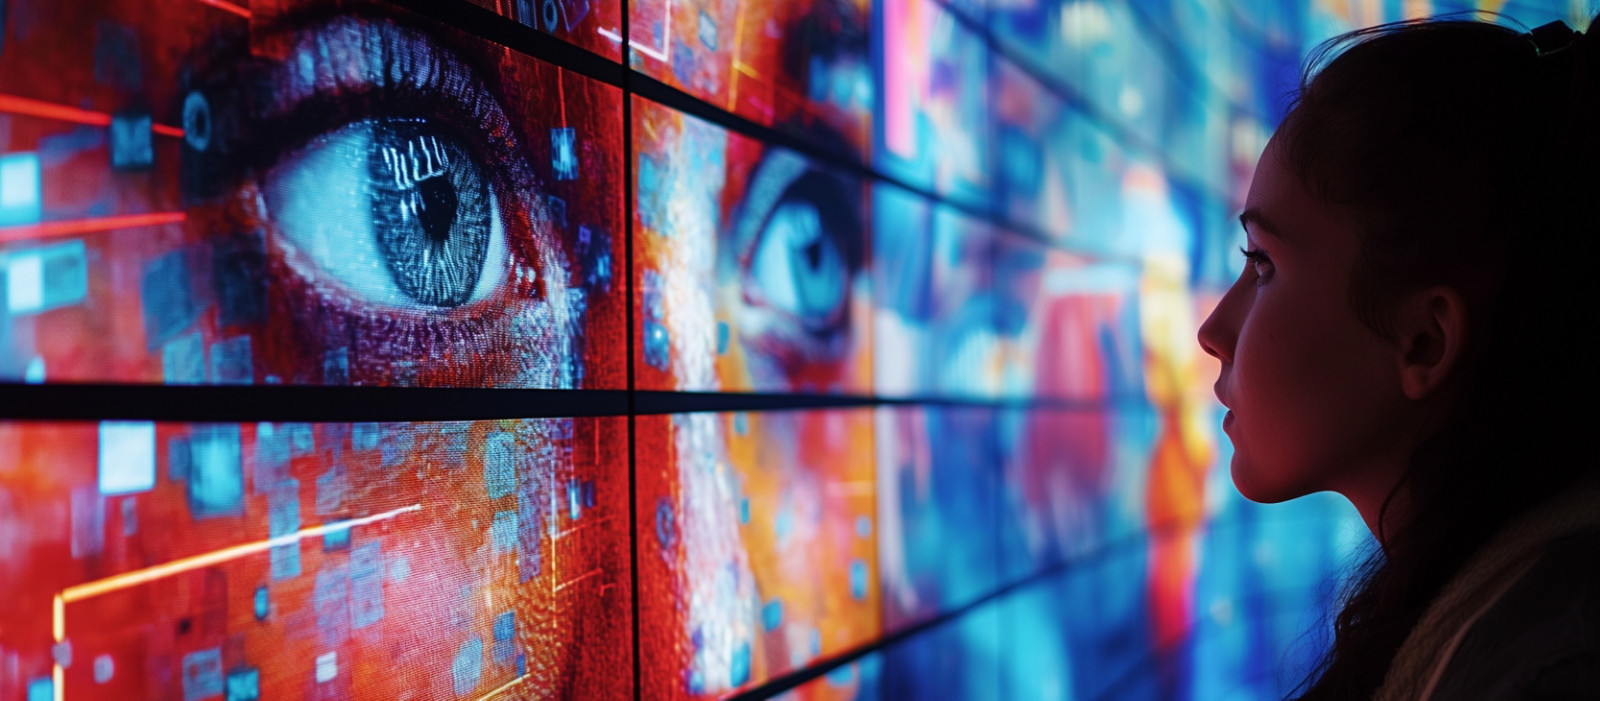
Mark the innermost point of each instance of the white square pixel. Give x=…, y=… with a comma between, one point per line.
x=127, y=456
x=327, y=667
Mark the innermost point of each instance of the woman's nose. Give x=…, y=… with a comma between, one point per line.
x=1219, y=332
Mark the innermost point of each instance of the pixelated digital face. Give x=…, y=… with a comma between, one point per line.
x=749, y=262
x=304, y=192
x=319, y=561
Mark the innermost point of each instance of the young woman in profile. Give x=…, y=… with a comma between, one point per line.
x=1412, y=330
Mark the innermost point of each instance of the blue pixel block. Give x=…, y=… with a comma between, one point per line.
x=127, y=456
x=657, y=346
x=505, y=635
x=503, y=532
x=302, y=439
x=216, y=478
x=330, y=493
x=858, y=579
x=41, y=689
x=132, y=147
x=239, y=278
x=130, y=518
x=500, y=464
x=178, y=457
x=263, y=605
x=574, y=499
x=772, y=614
x=20, y=191
x=244, y=684
x=594, y=251
x=365, y=436
x=330, y=597
x=45, y=278
x=558, y=210
x=651, y=201
x=466, y=670
x=336, y=366
x=366, y=584
x=231, y=363
x=272, y=456
x=283, y=518
x=564, y=153
x=864, y=526
x=167, y=298
x=723, y=335
x=183, y=360
x=739, y=674
x=337, y=538
x=708, y=31
x=529, y=519
x=202, y=674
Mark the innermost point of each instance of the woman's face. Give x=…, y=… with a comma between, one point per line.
x=1314, y=395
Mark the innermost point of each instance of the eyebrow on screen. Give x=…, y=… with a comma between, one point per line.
x=1254, y=216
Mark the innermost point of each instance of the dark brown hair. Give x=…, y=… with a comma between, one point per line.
x=1463, y=154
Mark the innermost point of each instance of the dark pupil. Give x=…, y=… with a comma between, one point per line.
x=437, y=201
x=813, y=253
x=431, y=211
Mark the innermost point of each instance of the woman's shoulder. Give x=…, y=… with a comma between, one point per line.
x=1541, y=640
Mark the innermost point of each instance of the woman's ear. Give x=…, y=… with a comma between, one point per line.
x=1431, y=328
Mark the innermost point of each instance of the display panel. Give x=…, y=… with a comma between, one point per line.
x=595, y=25
x=303, y=193
x=938, y=508
x=757, y=550
x=749, y=262
x=933, y=130
x=369, y=561
x=935, y=309
x=800, y=66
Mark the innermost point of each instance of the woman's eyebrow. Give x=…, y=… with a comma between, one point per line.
x=1253, y=216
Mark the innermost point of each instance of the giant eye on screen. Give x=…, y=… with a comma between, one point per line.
x=308, y=193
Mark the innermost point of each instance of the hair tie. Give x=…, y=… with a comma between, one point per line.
x=1553, y=38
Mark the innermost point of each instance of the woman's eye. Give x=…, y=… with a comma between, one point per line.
x=797, y=267
x=396, y=211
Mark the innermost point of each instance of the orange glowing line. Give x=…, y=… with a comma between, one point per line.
x=58, y=618
x=72, y=227
x=48, y=110
x=502, y=688
x=235, y=9
x=586, y=524
x=580, y=578
x=150, y=574
x=58, y=677
x=40, y=108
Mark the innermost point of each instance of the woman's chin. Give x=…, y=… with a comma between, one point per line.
x=1248, y=479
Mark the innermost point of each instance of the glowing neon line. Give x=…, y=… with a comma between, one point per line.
x=586, y=524
x=58, y=618
x=58, y=678
x=73, y=227
x=610, y=34
x=502, y=688
x=13, y=104
x=666, y=41
x=580, y=578
x=235, y=9
x=150, y=574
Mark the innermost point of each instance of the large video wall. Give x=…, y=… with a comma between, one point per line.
x=659, y=349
